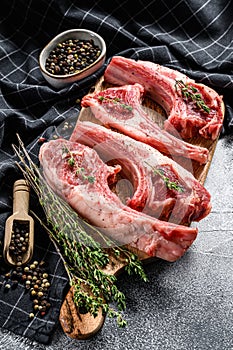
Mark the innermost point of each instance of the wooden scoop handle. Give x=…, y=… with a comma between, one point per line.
x=20, y=197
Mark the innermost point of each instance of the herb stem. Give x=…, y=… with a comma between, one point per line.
x=77, y=243
x=117, y=101
x=190, y=92
x=171, y=185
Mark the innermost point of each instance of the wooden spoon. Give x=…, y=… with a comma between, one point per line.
x=20, y=218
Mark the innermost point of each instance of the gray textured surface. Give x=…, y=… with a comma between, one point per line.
x=187, y=304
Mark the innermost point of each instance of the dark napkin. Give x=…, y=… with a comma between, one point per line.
x=191, y=36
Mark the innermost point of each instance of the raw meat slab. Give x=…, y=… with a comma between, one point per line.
x=87, y=325
x=158, y=115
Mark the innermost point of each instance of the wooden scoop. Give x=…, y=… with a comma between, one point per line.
x=20, y=222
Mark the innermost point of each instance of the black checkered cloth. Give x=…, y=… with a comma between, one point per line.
x=194, y=37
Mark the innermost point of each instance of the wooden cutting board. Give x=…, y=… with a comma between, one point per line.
x=83, y=326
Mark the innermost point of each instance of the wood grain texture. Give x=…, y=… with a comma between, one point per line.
x=75, y=324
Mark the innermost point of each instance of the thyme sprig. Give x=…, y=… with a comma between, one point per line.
x=171, y=185
x=190, y=92
x=117, y=101
x=81, y=248
x=74, y=166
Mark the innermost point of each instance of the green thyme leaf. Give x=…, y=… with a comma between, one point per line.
x=171, y=185
x=189, y=91
x=117, y=101
x=78, y=170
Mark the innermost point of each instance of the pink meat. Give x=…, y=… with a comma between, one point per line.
x=139, y=162
x=121, y=108
x=95, y=201
x=160, y=84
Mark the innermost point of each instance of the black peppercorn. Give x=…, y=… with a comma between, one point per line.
x=14, y=284
x=35, y=279
x=72, y=56
x=19, y=241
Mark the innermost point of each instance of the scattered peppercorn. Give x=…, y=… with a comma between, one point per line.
x=72, y=56
x=35, y=279
x=7, y=286
x=7, y=275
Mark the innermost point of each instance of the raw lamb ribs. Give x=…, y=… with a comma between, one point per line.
x=161, y=187
x=168, y=88
x=83, y=183
x=121, y=108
